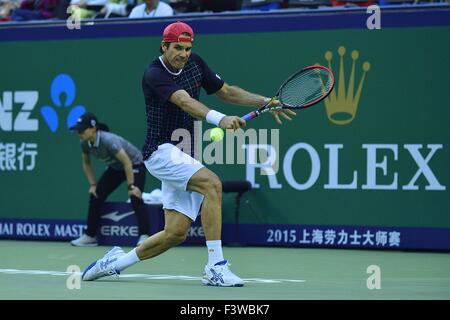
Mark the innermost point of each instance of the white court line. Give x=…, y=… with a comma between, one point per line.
x=143, y=276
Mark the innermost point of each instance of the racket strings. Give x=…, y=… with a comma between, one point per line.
x=306, y=87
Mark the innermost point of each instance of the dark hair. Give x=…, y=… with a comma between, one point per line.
x=102, y=126
x=167, y=44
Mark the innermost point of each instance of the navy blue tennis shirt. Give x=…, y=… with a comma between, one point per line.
x=163, y=117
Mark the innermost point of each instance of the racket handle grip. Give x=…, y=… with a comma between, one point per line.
x=249, y=116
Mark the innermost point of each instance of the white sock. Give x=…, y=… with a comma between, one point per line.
x=214, y=251
x=127, y=260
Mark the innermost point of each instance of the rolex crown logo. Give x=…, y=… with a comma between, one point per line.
x=342, y=105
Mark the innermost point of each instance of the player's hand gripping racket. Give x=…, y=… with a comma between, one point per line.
x=301, y=90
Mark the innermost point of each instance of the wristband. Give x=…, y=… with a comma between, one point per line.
x=214, y=117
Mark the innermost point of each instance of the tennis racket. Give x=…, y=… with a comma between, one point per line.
x=301, y=90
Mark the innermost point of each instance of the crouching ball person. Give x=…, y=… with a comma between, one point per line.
x=124, y=162
x=171, y=86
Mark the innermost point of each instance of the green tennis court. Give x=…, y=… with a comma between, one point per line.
x=38, y=270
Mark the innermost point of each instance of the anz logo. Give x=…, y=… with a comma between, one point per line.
x=23, y=103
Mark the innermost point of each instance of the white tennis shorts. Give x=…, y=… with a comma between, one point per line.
x=174, y=168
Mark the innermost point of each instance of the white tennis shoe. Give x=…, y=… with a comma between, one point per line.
x=106, y=266
x=220, y=275
x=85, y=241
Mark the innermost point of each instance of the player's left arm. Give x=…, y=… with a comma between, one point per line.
x=239, y=96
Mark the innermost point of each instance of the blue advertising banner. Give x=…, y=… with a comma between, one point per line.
x=118, y=227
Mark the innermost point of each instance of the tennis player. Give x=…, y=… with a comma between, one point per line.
x=171, y=86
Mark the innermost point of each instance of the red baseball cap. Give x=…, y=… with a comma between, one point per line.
x=174, y=32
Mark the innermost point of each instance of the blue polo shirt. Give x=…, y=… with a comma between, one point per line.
x=164, y=117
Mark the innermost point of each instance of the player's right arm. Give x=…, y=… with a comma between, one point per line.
x=86, y=161
x=199, y=111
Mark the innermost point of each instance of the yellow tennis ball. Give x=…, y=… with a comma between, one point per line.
x=216, y=134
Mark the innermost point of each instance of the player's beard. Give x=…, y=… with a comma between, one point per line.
x=180, y=63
